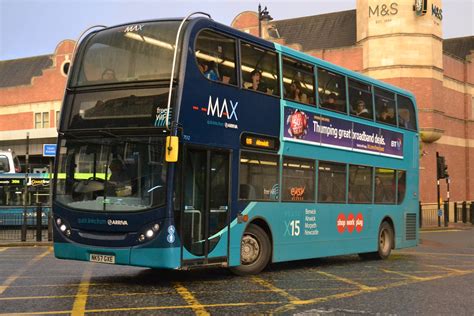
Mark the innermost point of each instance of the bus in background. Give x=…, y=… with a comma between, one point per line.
x=14, y=201
x=208, y=146
x=9, y=162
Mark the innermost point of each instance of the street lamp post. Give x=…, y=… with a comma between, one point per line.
x=262, y=16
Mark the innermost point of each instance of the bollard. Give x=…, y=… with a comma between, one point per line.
x=464, y=212
x=455, y=212
x=446, y=213
x=39, y=221
x=420, y=210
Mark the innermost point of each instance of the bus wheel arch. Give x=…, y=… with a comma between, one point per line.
x=385, y=241
x=256, y=248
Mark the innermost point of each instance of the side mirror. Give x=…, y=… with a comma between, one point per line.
x=172, y=148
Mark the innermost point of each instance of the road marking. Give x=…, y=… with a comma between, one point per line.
x=274, y=289
x=440, y=231
x=406, y=275
x=147, y=308
x=348, y=281
x=190, y=299
x=79, y=307
x=22, y=270
x=437, y=254
x=445, y=268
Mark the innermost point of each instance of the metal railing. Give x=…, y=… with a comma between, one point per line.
x=457, y=212
x=35, y=223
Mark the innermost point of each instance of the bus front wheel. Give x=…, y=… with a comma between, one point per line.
x=255, y=251
x=385, y=243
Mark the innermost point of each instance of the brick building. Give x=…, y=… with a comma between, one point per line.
x=386, y=40
x=389, y=41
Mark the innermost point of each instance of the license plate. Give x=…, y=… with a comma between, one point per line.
x=102, y=258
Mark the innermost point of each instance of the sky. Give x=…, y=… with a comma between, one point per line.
x=35, y=27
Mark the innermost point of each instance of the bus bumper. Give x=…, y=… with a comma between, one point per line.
x=168, y=258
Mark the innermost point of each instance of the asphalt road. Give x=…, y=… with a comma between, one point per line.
x=436, y=278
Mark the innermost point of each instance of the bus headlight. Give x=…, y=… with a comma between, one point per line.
x=63, y=226
x=149, y=232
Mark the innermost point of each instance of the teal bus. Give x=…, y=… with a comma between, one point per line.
x=207, y=146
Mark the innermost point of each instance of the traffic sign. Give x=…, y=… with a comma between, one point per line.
x=49, y=150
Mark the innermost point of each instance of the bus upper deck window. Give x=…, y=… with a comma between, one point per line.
x=360, y=99
x=331, y=90
x=385, y=107
x=215, y=56
x=298, y=81
x=259, y=69
x=406, y=113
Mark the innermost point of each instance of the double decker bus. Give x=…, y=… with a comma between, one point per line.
x=209, y=146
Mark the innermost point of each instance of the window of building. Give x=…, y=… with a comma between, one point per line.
x=332, y=182
x=42, y=120
x=360, y=99
x=259, y=69
x=385, y=107
x=215, y=56
x=298, y=179
x=360, y=184
x=401, y=181
x=384, y=186
x=331, y=90
x=258, y=176
x=298, y=81
x=58, y=116
x=406, y=113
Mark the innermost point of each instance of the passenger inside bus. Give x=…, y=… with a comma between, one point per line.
x=385, y=116
x=256, y=77
x=108, y=75
x=361, y=109
x=208, y=69
x=120, y=179
x=296, y=92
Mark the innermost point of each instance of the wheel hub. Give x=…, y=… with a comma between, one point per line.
x=250, y=249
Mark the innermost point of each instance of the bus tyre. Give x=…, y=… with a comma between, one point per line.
x=255, y=251
x=385, y=244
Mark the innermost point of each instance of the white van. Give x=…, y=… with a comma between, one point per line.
x=9, y=162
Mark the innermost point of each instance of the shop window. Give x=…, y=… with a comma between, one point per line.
x=360, y=99
x=384, y=186
x=259, y=69
x=385, y=107
x=215, y=56
x=298, y=180
x=298, y=81
x=406, y=113
x=332, y=182
x=258, y=176
x=360, y=184
x=331, y=90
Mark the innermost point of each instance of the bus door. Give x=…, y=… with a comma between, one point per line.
x=206, y=209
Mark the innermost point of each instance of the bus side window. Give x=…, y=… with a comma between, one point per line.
x=298, y=81
x=385, y=107
x=258, y=178
x=384, y=186
x=215, y=56
x=4, y=164
x=401, y=188
x=406, y=113
x=259, y=69
x=298, y=180
x=360, y=99
x=331, y=91
x=360, y=184
x=332, y=182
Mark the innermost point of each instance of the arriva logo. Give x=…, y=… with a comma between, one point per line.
x=221, y=109
x=117, y=222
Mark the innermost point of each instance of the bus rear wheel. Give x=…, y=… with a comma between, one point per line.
x=385, y=243
x=255, y=251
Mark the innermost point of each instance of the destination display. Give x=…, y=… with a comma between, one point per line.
x=307, y=127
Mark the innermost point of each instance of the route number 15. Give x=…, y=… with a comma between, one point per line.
x=295, y=228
